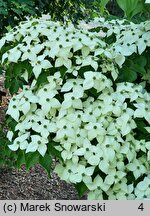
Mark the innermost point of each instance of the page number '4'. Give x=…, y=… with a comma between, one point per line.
x=141, y=207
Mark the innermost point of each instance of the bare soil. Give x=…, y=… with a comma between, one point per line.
x=34, y=185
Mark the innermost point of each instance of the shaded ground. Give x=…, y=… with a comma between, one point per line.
x=34, y=185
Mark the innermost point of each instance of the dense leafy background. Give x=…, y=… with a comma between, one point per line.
x=14, y=11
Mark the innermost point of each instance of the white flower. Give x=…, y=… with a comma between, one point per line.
x=120, y=194
x=75, y=85
x=10, y=135
x=96, y=154
x=26, y=100
x=55, y=80
x=90, y=60
x=46, y=127
x=64, y=129
x=120, y=59
x=147, y=145
x=125, y=49
x=47, y=104
x=85, y=150
x=95, y=80
x=63, y=61
x=31, y=121
x=126, y=124
x=2, y=42
x=71, y=100
x=37, y=143
x=94, y=129
x=137, y=168
x=67, y=154
x=14, y=54
x=104, y=163
x=114, y=177
x=95, y=195
x=142, y=190
x=70, y=172
x=30, y=52
x=13, y=108
x=20, y=142
x=96, y=184
x=89, y=115
x=143, y=110
x=147, y=1
x=39, y=64
x=31, y=36
x=80, y=136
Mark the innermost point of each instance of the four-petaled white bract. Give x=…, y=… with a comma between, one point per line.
x=91, y=119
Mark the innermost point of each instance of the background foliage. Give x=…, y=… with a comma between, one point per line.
x=14, y=11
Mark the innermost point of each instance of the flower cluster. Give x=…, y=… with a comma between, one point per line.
x=92, y=133
x=129, y=37
x=92, y=120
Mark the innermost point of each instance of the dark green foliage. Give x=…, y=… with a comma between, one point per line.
x=46, y=163
x=14, y=11
x=7, y=157
x=81, y=189
x=135, y=68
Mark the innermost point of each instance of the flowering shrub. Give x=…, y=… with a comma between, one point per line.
x=83, y=98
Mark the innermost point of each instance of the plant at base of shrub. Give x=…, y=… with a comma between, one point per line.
x=77, y=104
x=7, y=157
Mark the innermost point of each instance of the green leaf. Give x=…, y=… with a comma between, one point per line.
x=127, y=75
x=141, y=60
x=20, y=159
x=137, y=64
x=141, y=125
x=81, y=189
x=11, y=123
x=103, y=4
x=1, y=70
x=130, y=178
x=31, y=159
x=93, y=92
x=27, y=66
x=139, y=8
x=137, y=68
x=17, y=69
x=42, y=79
x=53, y=151
x=46, y=163
x=14, y=86
x=63, y=70
x=130, y=7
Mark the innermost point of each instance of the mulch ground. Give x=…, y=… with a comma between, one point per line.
x=34, y=184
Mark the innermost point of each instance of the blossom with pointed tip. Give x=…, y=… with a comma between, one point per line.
x=37, y=143
x=20, y=142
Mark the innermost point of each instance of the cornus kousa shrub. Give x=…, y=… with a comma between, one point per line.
x=82, y=95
